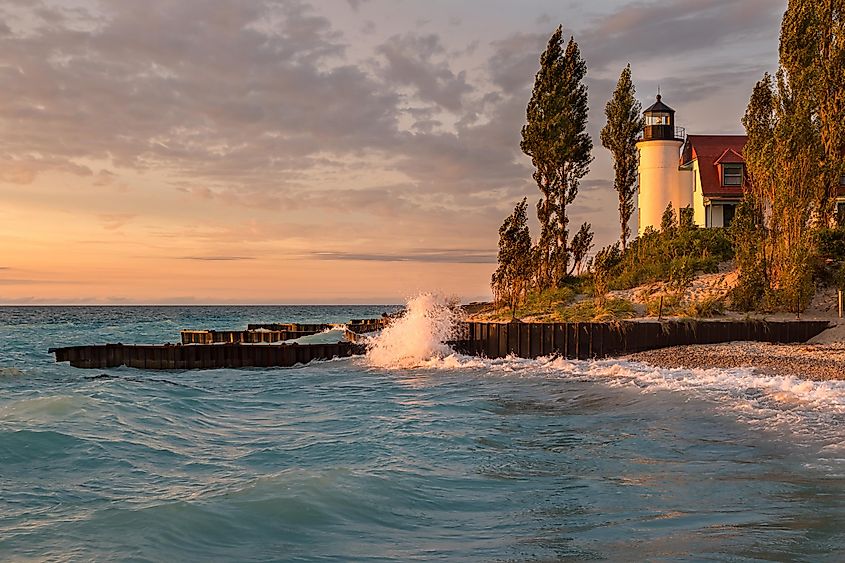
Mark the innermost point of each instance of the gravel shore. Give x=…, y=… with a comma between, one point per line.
x=818, y=362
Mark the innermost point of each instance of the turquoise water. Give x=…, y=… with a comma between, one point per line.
x=455, y=458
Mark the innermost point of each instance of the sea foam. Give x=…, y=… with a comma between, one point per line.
x=418, y=337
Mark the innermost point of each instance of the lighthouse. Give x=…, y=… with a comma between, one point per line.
x=661, y=181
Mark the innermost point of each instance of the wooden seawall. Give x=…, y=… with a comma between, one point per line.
x=494, y=340
x=242, y=336
x=202, y=356
x=600, y=340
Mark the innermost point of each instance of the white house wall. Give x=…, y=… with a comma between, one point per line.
x=686, y=181
x=699, y=214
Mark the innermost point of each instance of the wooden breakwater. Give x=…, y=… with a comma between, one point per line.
x=256, y=336
x=201, y=356
x=600, y=340
x=252, y=348
x=209, y=349
x=267, y=333
x=290, y=327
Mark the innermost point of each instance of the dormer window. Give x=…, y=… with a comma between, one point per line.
x=732, y=174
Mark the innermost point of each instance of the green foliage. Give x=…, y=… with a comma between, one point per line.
x=830, y=243
x=603, y=264
x=829, y=246
x=668, y=222
x=619, y=136
x=673, y=255
x=589, y=310
x=704, y=308
x=681, y=272
x=794, y=158
x=747, y=234
x=783, y=156
x=555, y=137
x=812, y=56
x=582, y=242
x=676, y=306
x=671, y=306
x=549, y=298
x=795, y=291
x=686, y=218
x=512, y=278
x=542, y=304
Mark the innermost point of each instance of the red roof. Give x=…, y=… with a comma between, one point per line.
x=713, y=150
x=730, y=156
x=710, y=151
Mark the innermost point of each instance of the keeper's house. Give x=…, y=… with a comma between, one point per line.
x=709, y=177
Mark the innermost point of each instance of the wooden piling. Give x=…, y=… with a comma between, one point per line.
x=599, y=340
x=201, y=356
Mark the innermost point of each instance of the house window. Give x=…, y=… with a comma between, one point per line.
x=842, y=180
x=840, y=214
x=732, y=174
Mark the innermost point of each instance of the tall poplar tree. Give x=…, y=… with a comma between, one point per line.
x=624, y=124
x=795, y=151
x=555, y=137
x=812, y=55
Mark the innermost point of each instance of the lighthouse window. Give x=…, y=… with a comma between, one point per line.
x=732, y=174
x=657, y=119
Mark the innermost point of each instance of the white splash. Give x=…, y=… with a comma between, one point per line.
x=418, y=337
x=331, y=335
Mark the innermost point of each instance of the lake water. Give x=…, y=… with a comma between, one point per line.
x=410, y=454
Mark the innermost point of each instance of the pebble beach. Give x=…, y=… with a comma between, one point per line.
x=814, y=361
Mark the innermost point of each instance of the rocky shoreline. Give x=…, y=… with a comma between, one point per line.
x=818, y=362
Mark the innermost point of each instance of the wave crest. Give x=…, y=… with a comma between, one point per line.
x=418, y=337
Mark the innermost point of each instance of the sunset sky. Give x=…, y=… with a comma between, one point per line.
x=333, y=151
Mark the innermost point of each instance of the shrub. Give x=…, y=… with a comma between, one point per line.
x=711, y=306
x=830, y=243
x=591, y=311
x=673, y=255
x=671, y=306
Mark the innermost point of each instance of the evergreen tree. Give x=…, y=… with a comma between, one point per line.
x=624, y=124
x=512, y=278
x=668, y=222
x=686, y=219
x=555, y=137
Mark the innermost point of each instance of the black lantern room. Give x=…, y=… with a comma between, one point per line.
x=660, y=123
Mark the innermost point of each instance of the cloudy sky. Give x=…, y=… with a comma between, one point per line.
x=331, y=151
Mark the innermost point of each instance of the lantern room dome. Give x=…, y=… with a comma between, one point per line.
x=659, y=107
x=660, y=123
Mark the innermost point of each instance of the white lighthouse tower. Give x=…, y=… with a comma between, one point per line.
x=660, y=180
